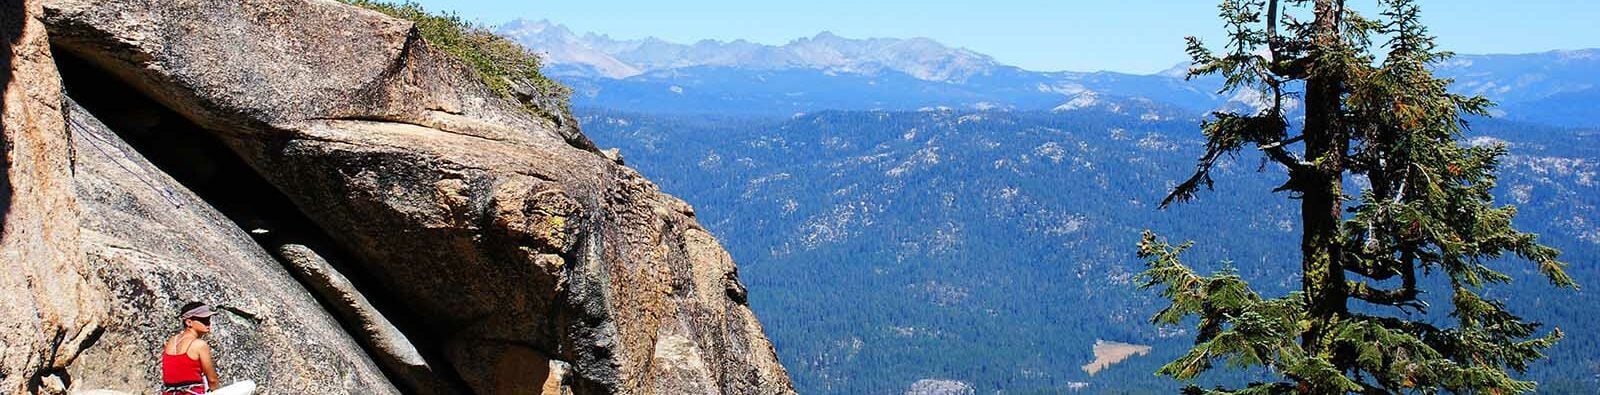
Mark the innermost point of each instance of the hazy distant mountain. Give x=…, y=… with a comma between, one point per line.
x=1525, y=77
x=920, y=58
x=1556, y=87
x=562, y=49
x=830, y=72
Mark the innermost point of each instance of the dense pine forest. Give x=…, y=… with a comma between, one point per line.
x=995, y=248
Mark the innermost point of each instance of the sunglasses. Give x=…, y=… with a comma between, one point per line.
x=202, y=320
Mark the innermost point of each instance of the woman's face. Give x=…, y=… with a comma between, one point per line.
x=199, y=324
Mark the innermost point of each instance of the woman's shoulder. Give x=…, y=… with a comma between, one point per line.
x=170, y=347
x=200, y=350
x=180, y=344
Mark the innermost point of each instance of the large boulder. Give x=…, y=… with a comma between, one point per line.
x=50, y=303
x=155, y=246
x=510, y=251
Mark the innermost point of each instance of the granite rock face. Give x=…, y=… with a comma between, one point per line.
x=155, y=246
x=51, y=304
x=430, y=235
x=386, y=343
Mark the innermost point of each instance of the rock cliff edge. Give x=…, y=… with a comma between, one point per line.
x=369, y=214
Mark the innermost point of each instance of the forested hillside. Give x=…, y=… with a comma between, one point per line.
x=995, y=248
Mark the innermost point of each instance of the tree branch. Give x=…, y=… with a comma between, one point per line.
x=1374, y=272
x=1283, y=142
x=1382, y=268
x=1280, y=64
x=1273, y=42
x=1404, y=297
x=1275, y=151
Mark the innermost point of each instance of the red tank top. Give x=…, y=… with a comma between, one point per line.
x=179, y=369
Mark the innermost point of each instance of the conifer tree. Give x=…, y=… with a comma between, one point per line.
x=1422, y=220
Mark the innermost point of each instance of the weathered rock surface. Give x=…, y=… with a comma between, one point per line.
x=513, y=255
x=386, y=343
x=50, y=303
x=156, y=246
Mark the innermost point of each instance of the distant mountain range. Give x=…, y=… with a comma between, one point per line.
x=828, y=72
x=594, y=55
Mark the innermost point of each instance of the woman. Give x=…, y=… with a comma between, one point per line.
x=186, y=366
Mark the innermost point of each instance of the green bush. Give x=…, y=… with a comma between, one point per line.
x=498, y=61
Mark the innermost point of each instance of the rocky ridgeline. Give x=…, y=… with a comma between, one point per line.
x=370, y=216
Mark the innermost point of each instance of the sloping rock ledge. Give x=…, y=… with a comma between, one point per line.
x=370, y=216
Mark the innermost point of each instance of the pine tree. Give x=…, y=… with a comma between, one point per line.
x=1424, y=216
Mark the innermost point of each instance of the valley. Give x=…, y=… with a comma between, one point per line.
x=993, y=248
x=913, y=216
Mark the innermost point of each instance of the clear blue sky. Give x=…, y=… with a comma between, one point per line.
x=1080, y=35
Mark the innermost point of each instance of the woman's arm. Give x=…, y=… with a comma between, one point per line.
x=206, y=366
